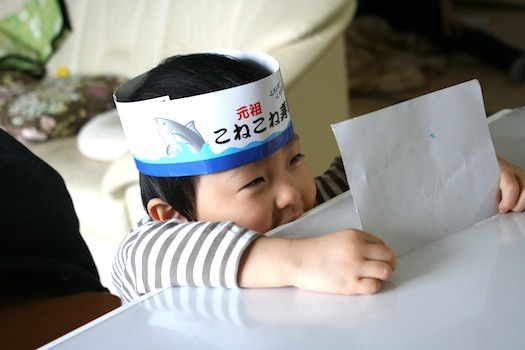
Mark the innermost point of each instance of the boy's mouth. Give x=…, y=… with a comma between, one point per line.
x=293, y=218
x=289, y=219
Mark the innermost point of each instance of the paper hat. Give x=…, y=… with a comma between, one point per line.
x=210, y=132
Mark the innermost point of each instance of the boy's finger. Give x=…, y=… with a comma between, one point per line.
x=520, y=203
x=376, y=252
x=379, y=270
x=368, y=286
x=370, y=238
x=510, y=191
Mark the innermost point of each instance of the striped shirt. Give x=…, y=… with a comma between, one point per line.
x=159, y=254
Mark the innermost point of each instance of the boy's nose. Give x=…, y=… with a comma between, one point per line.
x=287, y=194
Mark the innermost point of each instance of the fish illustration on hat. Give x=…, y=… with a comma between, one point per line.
x=173, y=133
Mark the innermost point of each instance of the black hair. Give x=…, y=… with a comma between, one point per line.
x=183, y=76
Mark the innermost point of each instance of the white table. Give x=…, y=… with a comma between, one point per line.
x=466, y=291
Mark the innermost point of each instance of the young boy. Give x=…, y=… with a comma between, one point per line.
x=219, y=165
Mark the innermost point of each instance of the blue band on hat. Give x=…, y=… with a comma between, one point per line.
x=214, y=165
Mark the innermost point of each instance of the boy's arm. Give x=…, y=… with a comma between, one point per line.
x=332, y=182
x=512, y=187
x=171, y=253
x=162, y=254
x=344, y=262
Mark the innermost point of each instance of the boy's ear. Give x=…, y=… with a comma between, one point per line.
x=161, y=211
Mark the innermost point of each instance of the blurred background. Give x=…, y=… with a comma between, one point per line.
x=405, y=66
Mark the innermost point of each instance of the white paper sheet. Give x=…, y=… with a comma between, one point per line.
x=421, y=169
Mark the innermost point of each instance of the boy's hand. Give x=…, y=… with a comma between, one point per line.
x=343, y=262
x=512, y=187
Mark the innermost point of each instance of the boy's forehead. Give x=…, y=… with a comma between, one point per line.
x=258, y=163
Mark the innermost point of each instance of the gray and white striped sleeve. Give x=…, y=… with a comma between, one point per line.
x=171, y=253
x=332, y=183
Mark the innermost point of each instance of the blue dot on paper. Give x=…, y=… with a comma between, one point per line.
x=432, y=136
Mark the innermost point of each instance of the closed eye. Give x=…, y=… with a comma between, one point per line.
x=296, y=158
x=254, y=183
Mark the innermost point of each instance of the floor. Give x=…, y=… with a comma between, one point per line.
x=508, y=23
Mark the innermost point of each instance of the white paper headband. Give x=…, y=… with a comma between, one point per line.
x=210, y=132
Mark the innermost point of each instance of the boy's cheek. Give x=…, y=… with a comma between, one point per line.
x=258, y=219
x=312, y=192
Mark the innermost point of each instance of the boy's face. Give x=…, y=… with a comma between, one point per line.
x=260, y=195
